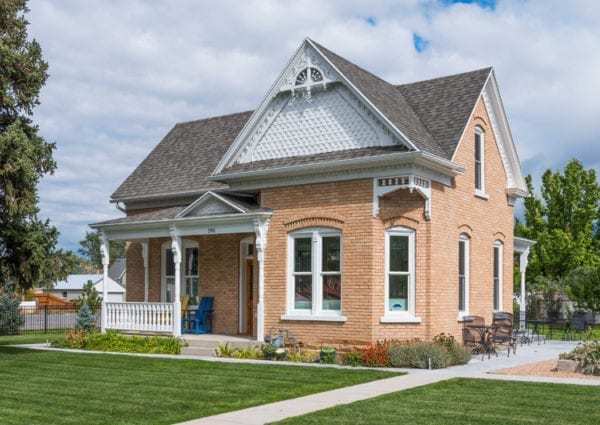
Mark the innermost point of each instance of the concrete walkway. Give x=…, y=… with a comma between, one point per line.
x=476, y=368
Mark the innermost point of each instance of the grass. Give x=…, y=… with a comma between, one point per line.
x=29, y=338
x=470, y=401
x=40, y=387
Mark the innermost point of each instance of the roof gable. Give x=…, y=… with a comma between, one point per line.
x=337, y=110
x=210, y=204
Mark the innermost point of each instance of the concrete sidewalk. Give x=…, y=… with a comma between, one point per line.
x=476, y=368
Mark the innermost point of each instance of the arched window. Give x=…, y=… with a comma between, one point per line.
x=399, y=275
x=498, y=284
x=479, y=165
x=463, y=275
x=315, y=272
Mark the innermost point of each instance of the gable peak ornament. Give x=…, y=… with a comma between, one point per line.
x=309, y=72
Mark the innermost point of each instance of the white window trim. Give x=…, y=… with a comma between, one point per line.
x=316, y=313
x=400, y=316
x=500, y=247
x=163, y=267
x=480, y=192
x=467, y=244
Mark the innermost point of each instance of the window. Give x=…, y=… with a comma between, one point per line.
x=189, y=272
x=498, y=276
x=479, y=161
x=400, y=275
x=463, y=275
x=315, y=272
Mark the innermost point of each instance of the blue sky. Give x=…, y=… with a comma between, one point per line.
x=122, y=73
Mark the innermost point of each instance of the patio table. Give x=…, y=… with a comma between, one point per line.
x=485, y=345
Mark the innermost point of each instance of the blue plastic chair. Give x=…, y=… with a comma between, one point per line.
x=200, y=320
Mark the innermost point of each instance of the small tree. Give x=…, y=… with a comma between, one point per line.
x=584, y=288
x=11, y=318
x=89, y=296
x=86, y=319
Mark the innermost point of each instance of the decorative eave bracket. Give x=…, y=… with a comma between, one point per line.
x=385, y=185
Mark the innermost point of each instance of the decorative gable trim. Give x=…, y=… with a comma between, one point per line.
x=515, y=186
x=209, y=204
x=306, y=57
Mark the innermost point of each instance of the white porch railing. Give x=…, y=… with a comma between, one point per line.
x=149, y=317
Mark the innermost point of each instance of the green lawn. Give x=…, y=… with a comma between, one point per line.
x=29, y=338
x=470, y=401
x=40, y=387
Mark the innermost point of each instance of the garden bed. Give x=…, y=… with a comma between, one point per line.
x=546, y=368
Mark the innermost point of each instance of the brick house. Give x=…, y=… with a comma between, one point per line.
x=344, y=208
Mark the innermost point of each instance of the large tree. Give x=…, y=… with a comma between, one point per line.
x=90, y=249
x=28, y=256
x=563, y=222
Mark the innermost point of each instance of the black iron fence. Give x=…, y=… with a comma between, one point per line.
x=47, y=319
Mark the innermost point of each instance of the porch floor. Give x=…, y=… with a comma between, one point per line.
x=205, y=345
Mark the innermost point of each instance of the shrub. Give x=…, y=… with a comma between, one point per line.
x=327, y=355
x=113, y=341
x=269, y=352
x=86, y=319
x=419, y=355
x=587, y=354
x=11, y=318
x=246, y=353
x=225, y=350
x=457, y=353
x=375, y=355
x=352, y=358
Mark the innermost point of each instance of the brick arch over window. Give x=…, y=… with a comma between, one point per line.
x=401, y=220
x=299, y=223
x=465, y=228
x=501, y=237
x=481, y=122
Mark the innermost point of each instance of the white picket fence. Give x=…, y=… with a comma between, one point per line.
x=147, y=317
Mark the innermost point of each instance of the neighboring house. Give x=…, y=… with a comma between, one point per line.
x=117, y=271
x=344, y=208
x=72, y=288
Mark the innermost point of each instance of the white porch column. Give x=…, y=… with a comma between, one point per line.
x=261, y=226
x=523, y=261
x=104, y=252
x=177, y=256
x=146, y=275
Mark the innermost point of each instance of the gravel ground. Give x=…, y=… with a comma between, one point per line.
x=547, y=368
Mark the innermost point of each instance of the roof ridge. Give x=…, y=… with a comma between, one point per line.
x=443, y=77
x=214, y=117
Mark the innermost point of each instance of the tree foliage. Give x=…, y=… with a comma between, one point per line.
x=90, y=249
x=563, y=222
x=584, y=288
x=28, y=256
x=89, y=296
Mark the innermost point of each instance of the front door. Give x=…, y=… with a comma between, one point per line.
x=249, y=296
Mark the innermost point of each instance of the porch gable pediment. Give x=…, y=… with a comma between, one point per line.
x=210, y=204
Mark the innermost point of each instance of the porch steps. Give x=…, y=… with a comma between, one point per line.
x=206, y=345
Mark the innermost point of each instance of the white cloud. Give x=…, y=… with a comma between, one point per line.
x=123, y=73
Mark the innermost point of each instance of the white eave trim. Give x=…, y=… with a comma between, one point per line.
x=424, y=159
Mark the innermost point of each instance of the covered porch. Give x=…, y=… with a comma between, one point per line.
x=214, y=248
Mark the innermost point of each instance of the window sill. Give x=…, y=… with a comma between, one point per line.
x=399, y=319
x=482, y=195
x=313, y=318
x=463, y=318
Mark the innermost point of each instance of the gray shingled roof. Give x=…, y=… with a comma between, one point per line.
x=445, y=104
x=431, y=113
x=184, y=159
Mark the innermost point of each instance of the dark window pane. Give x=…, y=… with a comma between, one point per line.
x=398, y=290
x=461, y=293
x=191, y=286
x=303, y=254
x=170, y=264
x=461, y=275
x=399, y=253
x=303, y=292
x=332, y=292
x=478, y=157
x=496, y=278
x=331, y=254
x=191, y=261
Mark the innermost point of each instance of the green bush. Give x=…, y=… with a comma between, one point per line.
x=11, y=318
x=327, y=355
x=352, y=358
x=116, y=342
x=458, y=354
x=269, y=351
x=246, y=353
